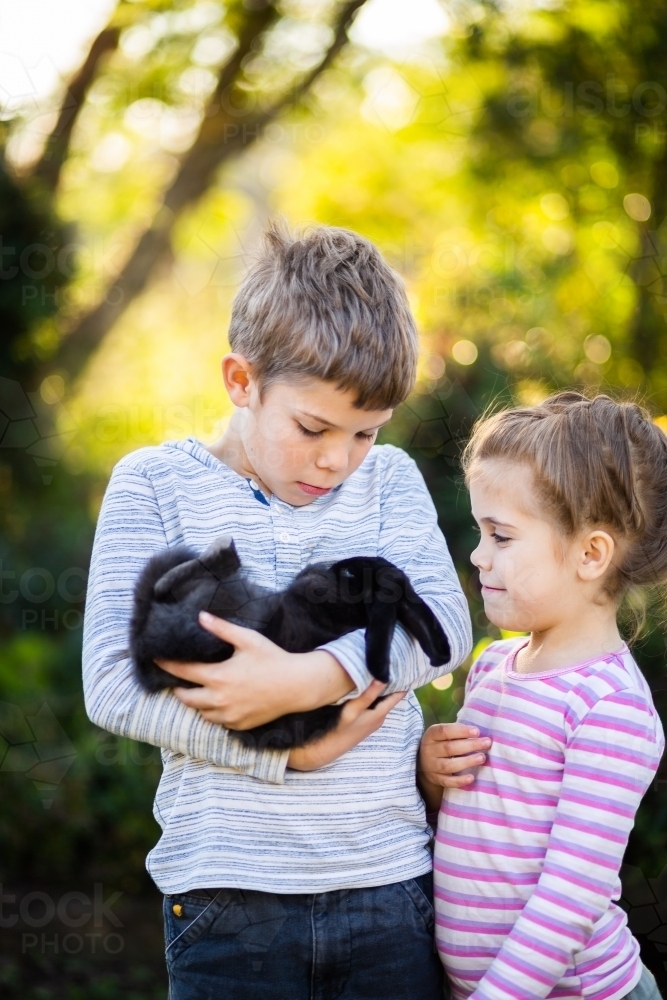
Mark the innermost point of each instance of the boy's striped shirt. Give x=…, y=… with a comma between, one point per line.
x=527, y=860
x=233, y=816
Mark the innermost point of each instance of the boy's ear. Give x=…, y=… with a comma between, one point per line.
x=237, y=374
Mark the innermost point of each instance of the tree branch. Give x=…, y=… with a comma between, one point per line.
x=221, y=136
x=51, y=162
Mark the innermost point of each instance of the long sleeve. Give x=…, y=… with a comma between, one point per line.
x=130, y=529
x=411, y=539
x=610, y=759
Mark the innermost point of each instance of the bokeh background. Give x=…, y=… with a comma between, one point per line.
x=510, y=160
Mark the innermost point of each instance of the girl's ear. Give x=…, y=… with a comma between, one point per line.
x=237, y=373
x=596, y=554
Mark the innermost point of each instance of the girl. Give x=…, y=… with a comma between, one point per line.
x=571, y=500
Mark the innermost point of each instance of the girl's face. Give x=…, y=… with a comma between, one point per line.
x=529, y=571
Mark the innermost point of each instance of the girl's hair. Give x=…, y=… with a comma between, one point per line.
x=596, y=462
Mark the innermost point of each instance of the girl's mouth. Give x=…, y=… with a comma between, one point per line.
x=493, y=590
x=314, y=491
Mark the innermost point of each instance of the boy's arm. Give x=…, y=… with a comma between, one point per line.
x=411, y=539
x=610, y=761
x=129, y=530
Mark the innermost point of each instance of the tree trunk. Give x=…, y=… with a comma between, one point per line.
x=649, y=324
x=50, y=164
x=220, y=137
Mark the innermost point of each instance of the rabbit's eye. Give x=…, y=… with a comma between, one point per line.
x=348, y=574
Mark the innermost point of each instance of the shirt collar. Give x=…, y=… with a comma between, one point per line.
x=193, y=446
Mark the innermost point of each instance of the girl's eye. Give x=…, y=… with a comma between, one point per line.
x=499, y=538
x=367, y=437
x=307, y=433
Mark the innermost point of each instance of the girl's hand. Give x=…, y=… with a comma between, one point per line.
x=445, y=751
x=357, y=721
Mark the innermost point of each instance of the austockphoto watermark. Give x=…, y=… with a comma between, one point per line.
x=612, y=97
x=38, y=423
x=36, y=746
x=239, y=117
x=44, y=271
x=73, y=923
x=645, y=901
x=102, y=256
x=39, y=261
x=448, y=260
x=114, y=751
x=37, y=585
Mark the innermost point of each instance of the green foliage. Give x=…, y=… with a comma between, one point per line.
x=514, y=175
x=30, y=280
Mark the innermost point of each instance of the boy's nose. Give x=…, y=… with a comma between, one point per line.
x=335, y=459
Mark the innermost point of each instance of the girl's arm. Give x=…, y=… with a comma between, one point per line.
x=611, y=758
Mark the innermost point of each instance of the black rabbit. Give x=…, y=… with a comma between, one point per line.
x=323, y=602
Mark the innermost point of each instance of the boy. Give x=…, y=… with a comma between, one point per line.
x=281, y=881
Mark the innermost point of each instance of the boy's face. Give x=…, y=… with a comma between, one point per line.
x=302, y=439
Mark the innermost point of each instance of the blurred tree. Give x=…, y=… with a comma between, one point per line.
x=516, y=179
x=581, y=101
x=266, y=59
x=512, y=172
x=218, y=74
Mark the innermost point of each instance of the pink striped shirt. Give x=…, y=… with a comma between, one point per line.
x=527, y=860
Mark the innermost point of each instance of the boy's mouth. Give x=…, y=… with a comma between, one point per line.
x=314, y=491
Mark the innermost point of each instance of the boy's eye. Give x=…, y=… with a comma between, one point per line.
x=316, y=434
x=307, y=433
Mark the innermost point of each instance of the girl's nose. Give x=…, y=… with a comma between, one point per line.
x=478, y=559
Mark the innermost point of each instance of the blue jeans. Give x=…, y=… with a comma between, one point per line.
x=349, y=944
x=646, y=988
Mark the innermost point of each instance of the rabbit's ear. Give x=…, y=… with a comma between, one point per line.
x=164, y=587
x=221, y=557
x=220, y=560
x=379, y=633
x=415, y=615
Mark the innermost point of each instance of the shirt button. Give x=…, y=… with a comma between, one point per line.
x=283, y=536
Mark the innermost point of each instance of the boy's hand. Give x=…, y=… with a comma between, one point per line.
x=260, y=682
x=445, y=751
x=357, y=721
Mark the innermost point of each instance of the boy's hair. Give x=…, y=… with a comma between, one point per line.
x=323, y=303
x=595, y=462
